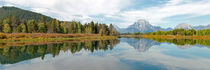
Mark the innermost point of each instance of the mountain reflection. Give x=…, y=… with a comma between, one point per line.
x=143, y=45
x=14, y=54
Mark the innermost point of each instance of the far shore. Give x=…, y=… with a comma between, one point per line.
x=168, y=36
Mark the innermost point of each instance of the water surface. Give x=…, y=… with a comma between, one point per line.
x=121, y=54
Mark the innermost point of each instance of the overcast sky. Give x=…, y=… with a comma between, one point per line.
x=164, y=13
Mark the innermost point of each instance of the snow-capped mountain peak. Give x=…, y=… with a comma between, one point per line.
x=183, y=26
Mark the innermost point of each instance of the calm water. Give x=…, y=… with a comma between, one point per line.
x=121, y=54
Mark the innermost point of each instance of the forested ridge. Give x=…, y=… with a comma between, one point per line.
x=12, y=24
x=21, y=14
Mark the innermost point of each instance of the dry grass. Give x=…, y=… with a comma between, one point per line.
x=21, y=39
x=40, y=37
x=57, y=40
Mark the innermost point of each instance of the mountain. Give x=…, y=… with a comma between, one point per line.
x=183, y=26
x=116, y=27
x=20, y=13
x=188, y=26
x=201, y=27
x=142, y=26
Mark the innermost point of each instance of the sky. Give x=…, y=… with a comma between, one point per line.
x=164, y=13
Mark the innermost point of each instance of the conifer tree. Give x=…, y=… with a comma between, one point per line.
x=42, y=27
x=31, y=26
x=14, y=23
x=64, y=27
x=58, y=27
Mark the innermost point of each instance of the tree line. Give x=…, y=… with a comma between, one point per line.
x=184, y=32
x=202, y=42
x=14, y=25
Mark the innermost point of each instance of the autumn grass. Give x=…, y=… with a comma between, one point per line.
x=130, y=36
x=39, y=37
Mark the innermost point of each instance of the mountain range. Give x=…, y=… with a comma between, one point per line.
x=144, y=26
x=141, y=26
x=188, y=26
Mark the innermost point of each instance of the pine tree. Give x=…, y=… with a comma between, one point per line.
x=42, y=27
x=58, y=27
x=101, y=32
x=79, y=27
x=72, y=27
x=96, y=28
x=64, y=27
x=51, y=26
x=31, y=26
x=24, y=27
x=92, y=28
x=14, y=23
x=111, y=29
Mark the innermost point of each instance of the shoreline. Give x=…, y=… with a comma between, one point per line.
x=43, y=37
x=167, y=36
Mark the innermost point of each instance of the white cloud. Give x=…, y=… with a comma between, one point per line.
x=157, y=14
x=84, y=10
x=73, y=9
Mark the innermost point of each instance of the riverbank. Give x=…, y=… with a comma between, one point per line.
x=175, y=37
x=42, y=37
x=166, y=36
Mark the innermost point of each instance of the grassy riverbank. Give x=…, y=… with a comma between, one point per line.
x=39, y=37
x=175, y=37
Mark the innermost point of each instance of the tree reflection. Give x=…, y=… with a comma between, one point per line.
x=14, y=54
x=183, y=42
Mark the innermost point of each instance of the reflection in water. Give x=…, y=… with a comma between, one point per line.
x=129, y=54
x=186, y=43
x=142, y=45
x=10, y=55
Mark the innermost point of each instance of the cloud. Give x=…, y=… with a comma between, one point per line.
x=72, y=9
x=157, y=14
x=118, y=12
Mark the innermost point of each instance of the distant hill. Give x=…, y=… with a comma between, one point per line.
x=188, y=26
x=184, y=26
x=201, y=27
x=20, y=13
x=142, y=26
